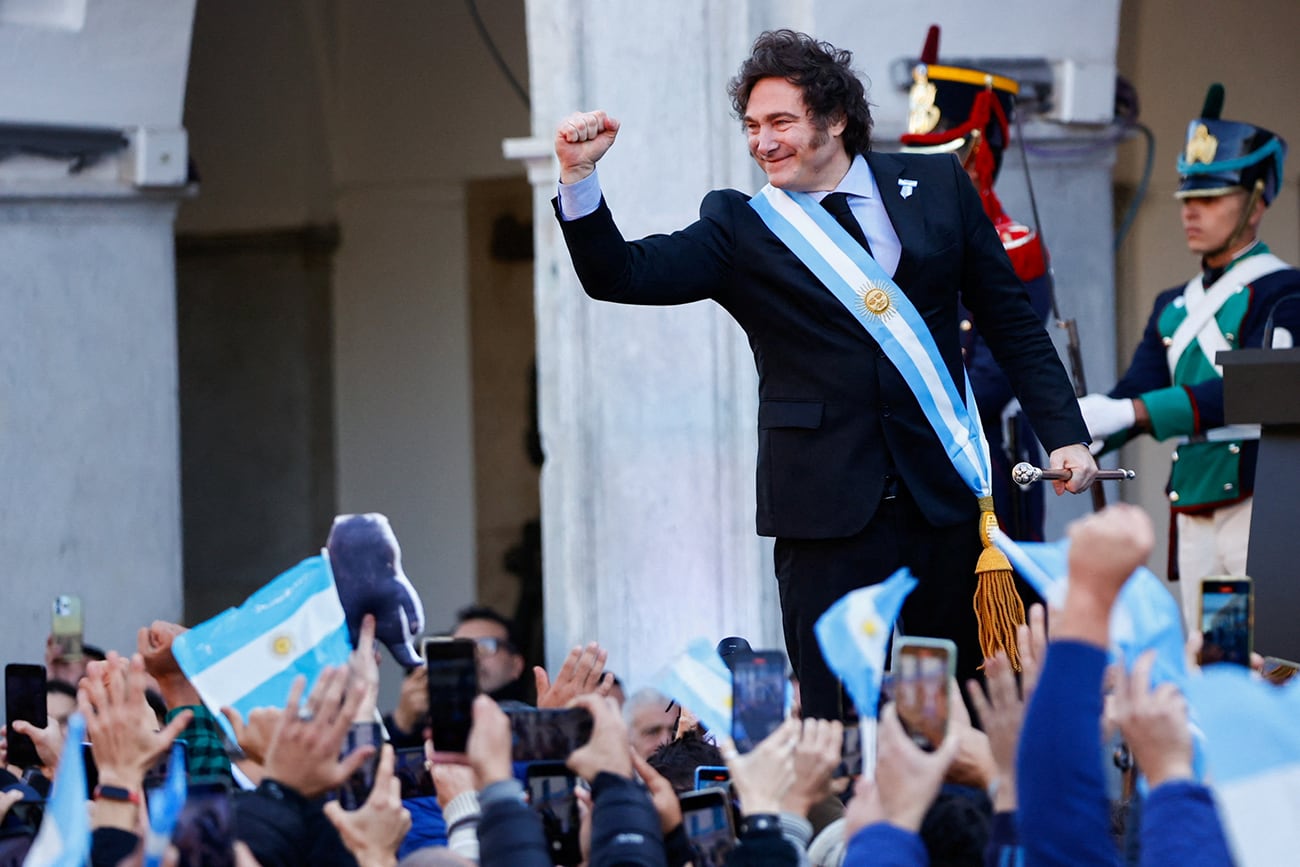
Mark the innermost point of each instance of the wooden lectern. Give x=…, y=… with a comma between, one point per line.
x=1262, y=386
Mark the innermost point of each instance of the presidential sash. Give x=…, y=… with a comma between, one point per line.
x=889, y=316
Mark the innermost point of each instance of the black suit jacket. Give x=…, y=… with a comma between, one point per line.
x=835, y=417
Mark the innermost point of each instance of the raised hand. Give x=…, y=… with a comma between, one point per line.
x=488, y=748
x=154, y=644
x=48, y=741
x=1154, y=723
x=662, y=794
x=762, y=776
x=907, y=778
x=1002, y=713
x=373, y=832
x=120, y=724
x=816, y=756
x=413, y=702
x=607, y=749
x=583, y=672
x=304, y=751
x=581, y=139
x=254, y=736
x=363, y=664
x=1105, y=548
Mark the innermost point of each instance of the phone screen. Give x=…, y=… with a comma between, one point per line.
x=550, y=793
x=453, y=685
x=547, y=734
x=757, y=697
x=204, y=834
x=1226, y=620
x=850, y=753
x=66, y=626
x=923, y=667
x=24, y=700
x=410, y=770
x=707, y=818
x=356, y=789
x=712, y=777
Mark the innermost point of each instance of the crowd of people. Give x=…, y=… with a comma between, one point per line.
x=869, y=460
x=1027, y=785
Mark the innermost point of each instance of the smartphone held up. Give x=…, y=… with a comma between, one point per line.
x=67, y=627
x=922, y=669
x=1227, y=620
x=24, y=700
x=452, y=674
x=758, y=691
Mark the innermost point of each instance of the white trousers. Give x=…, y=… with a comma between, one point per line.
x=1210, y=544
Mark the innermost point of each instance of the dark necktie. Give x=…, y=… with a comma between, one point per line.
x=838, y=206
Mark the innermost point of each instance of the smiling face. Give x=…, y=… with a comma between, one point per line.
x=1209, y=221
x=787, y=143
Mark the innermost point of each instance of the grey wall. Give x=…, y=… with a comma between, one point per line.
x=89, y=482
x=89, y=464
x=257, y=433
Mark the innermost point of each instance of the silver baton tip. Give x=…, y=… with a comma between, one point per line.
x=1025, y=473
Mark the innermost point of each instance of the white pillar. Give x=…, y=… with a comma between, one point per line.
x=647, y=414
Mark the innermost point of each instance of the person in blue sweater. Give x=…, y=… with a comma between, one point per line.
x=1063, y=809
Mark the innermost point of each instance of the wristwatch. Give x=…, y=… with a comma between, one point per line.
x=760, y=823
x=117, y=793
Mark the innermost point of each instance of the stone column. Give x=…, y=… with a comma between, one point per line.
x=89, y=450
x=647, y=414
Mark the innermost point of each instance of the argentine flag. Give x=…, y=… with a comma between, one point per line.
x=1145, y=617
x=247, y=657
x=698, y=679
x=64, y=838
x=852, y=634
x=1252, y=747
x=165, y=805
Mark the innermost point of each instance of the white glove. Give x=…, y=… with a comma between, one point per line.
x=1106, y=415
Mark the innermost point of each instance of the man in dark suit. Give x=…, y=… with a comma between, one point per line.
x=853, y=478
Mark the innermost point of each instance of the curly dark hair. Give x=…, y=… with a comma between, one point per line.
x=831, y=89
x=677, y=760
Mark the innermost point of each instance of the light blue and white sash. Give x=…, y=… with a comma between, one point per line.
x=888, y=315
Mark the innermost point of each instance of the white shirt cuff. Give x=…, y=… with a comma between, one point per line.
x=580, y=198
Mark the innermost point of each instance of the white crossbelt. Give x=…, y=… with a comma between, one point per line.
x=1202, y=305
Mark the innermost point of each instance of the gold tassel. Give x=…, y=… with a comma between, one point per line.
x=998, y=607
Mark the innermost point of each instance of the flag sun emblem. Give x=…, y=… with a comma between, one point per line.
x=281, y=645
x=875, y=300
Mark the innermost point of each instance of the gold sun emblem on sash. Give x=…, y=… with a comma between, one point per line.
x=922, y=116
x=282, y=645
x=1201, y=146
x=875, y=300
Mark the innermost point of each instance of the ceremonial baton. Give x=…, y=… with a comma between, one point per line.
x=1026, y=473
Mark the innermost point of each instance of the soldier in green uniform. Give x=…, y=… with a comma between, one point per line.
x=1230, y=173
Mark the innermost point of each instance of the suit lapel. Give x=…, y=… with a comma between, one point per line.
x=906, y=215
